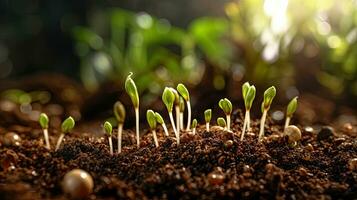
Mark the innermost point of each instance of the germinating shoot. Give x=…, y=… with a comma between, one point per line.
x=132, y=91
x=43, y=120
x=186, y=96
x=208, y=116
x=66, y=127
x=222, y=123
x=177, y=109
x=248, y=97
x=193, y=126
x=168, y=97
x=151, y=118
x=108, y=130
x=290, y=110
x=119, y=112
x=269, y=95
x=226, y=106
x=161, y=121
x=182, y=109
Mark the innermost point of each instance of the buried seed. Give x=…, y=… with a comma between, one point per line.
x=78, y=184
x=293, y=133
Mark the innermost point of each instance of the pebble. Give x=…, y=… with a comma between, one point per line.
x=78, y=184
x=228, y=144
x=352, y=164
x=216, y=178
x=11, y=139
x=325, y=133
x=309, y=147
x=347, y=127
x=309, y=129
x=293, y=133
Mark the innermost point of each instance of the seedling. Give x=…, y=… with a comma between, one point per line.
x=177, y=109
x=269, y=95
x=248, y=96
x=119, y=112
x=168, y=97
x=132, y=91
x=108, y=130
x=186, y=96
x=290, y=110
x=182, y=109
x=208, y=116
x=151, y=118
x=66, y=127
x=161, y=121
x=43, y=120
x=193, y=126
x=222, y=123
x=226, y=106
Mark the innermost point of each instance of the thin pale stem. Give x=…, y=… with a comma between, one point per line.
x=194, y=131
x=188, y=115
x=177, y=108
x=262, y=123
x=111, y=145
x=228, y=122
x=165, y=129
x=174, y=128
x=248, y=121
x=181, y=119
x=245, y=124
x=137, y=127
x=207, y=126
x=287, y=122
x=45, y=133
x=120, y=131
x=59, y=141
x=155, y=138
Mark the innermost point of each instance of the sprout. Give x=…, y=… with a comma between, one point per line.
x=108, y=130
x=226, y=106
x=290, y=110
x=151, y=118
x=130, y=88
x=194, y=125
x=186, y=96
x=269, y=95
x=119, y=112
x=67, y=126
x=43, y=120
x=248, y=96
x=222, y=123
x=168, y=97
x=182, y=109
x=161, y=121
x=208, y=116
x=177, y=109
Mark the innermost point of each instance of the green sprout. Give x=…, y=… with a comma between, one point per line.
x=108, y=130
x=177, y=109
x=193, y=126
x=119, y=112
x=168, y=97
x=66, y=127
x=248, y=92
x=269, y=95
x=186, y=96
x=43, y=120
x=151, y=118
x=132, y=91
x=208, y=116
x=182, y=109
x=226, y=106
x=221, y=122
x=290, y=110
x=161, y=121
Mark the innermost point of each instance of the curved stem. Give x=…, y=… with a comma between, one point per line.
x=155, y=138
x=174, y=128
x=45, y=133
x=248, y=121
x=110, y=145
x=137, y=127
x=165, y=129
x=287, y=122
x=181, y=119
x=262, y=123
x=120, y=130
x=188, y=115
x=59, y=141
x=245, y=124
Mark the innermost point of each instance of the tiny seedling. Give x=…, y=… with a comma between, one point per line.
x=248, y=96
x=269, y=95
x=168, y=97
x=161, y=121
x=226, y=106
x=182, y=109
x=43, y=120
x=177, y=109
x=66, y=127
x=108, y=130
x=119, y=112
x=151, y=118
x=186, y=96
x=132, y=91
x=290, y=110
x=193, y=126
x=208, y=116
x=222, y=123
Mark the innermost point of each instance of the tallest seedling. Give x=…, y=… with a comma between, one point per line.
x=130, y=88
x=248, y=96
x=185, y=95
x=269, y=95
x=168, y=97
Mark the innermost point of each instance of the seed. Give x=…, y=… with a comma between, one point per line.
x=11, y=139
x=325, y=133
x=78, y=184
x=293, y=133
x=216, y=178
x=352, y=164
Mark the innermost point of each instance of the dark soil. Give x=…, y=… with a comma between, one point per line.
x=208, y=165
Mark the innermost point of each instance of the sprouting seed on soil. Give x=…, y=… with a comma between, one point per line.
x=208, y=116
x=109, y=130
x=43, y=120
x=290, y=110
x=248, y=97
x=226, y=106
x=269, y=95
x=186, y=96
x=67, y=125
x=151, y=118
x=293, y=133
x=132, y=91
x=222, y=123
x=168, y=97
x=119, y=112
x=193, y=126
x=161, y=121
